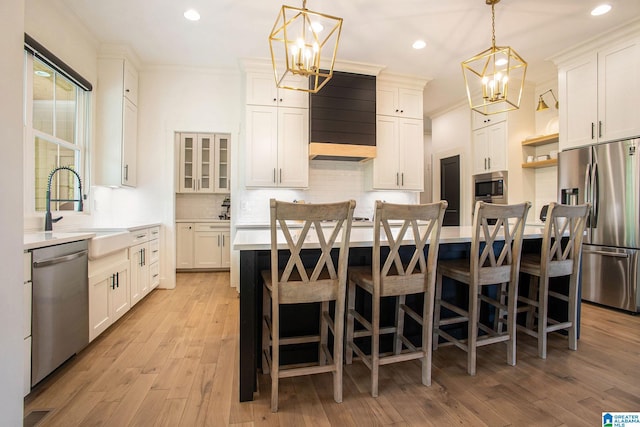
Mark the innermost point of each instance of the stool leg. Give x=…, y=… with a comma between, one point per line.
x=324, y=333
x=275, y=354
x=266, y=337
x=533, y=295
x=543, y=312
x=351, y=305
x=512, y=297
x=472, y=337
x=427, y=334
x=573, y=312
x=338, y=340
x=436, y=311
x=375, y=343
x=397, y=345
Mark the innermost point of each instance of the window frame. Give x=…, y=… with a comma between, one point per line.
x=81, y=146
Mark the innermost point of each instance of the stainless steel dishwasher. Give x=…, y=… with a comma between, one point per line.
x=60, y=306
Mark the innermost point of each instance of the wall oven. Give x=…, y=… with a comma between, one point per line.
x=490, y=187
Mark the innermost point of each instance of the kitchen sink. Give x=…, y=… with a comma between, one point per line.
x=107, y=241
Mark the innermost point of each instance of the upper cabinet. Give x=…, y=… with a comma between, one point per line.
x=117, y=123
x=490, y=148
x=203, y=163
x=398, y=164
x=479, y=121
x=262, y=90
x=398, y=101
x=277, y=134
x=596, y=91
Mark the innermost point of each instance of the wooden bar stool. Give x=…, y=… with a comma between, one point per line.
x=489, y=264
x=392, y=276
x=298, y=284
x=560, y=256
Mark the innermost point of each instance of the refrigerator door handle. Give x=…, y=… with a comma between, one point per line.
x=587, y=184
x=595, y=195
x=609, y=254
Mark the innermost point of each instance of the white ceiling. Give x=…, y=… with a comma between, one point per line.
x=374, y=31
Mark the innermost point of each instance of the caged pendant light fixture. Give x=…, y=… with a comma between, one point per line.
x=303, y=48
x=495, y=77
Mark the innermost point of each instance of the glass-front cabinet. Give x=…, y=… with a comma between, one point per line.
x=203, y=163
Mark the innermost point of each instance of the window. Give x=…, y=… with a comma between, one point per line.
x=56, y=119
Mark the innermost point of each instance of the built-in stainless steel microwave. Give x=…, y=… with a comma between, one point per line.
x=490, y=187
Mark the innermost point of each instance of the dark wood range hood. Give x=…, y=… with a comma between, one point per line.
x=342, y=118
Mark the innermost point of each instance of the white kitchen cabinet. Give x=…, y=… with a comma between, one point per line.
x=144, y=253
x=277, y=152
x=117, y=123
x=490, y=148
x=479, y=120
x=203, y=246
x=398, y=101
x=595, y=91
x=203, y=163
x=262, y=90
x=184, y=245
x=109, y=296
x=398, y=164
x=26, y=322
x=154, y=258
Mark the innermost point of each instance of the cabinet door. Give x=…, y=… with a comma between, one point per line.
x=223, y=163
x=184, y=245
x=293, y=147
x=188, y=162
x=261, y=89
x=480, y=150
x=225, y=255
x=99, y=314
x=577, y=87
x=410, y=103
x=497, y=147
x=480, y=120
x=206, y=164
x=262, y=146
x=130, y=83
x=386, y=100
x=207, y=248
x=129, y=143
x=386, y=174
x=139, y=284
x=411, y=154
x=119, y=302
x=154, y=275
x=618, y=83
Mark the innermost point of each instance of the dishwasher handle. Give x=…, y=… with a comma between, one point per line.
x=59, y=260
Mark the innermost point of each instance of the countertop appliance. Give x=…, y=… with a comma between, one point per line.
x=607, y=176
x=60, y=306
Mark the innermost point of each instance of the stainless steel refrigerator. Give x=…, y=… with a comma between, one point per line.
x=608, y=176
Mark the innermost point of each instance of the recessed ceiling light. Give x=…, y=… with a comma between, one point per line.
x=192, y=15
x=419, y=44
x=601, y=10
x=41, y=73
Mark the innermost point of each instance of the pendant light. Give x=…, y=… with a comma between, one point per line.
x=303, y=48
x=494, y=78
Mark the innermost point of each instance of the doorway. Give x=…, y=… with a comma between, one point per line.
x=450, y=189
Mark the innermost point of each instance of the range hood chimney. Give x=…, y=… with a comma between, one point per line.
x=342, y=118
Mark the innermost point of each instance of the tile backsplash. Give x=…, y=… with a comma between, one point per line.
x=329, y=181
x=199, y=206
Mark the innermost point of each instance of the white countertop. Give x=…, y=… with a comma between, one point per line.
x=362, y=236
x=42, y=239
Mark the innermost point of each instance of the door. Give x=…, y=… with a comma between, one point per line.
x=616, y=200
x=184, y=245
x=411, y=154
x=450, y=189
x=574, y=169
x=129, y=143
x=578, y=89
x=206, y=163
x=385, y=164
x=293, y=147
x=262, y=146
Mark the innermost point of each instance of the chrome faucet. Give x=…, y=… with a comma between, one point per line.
x=48, y=220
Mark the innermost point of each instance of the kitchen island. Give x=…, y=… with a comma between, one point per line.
x=253, y=242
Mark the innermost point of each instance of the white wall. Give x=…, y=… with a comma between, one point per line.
x=11, y=135
x=451, y=136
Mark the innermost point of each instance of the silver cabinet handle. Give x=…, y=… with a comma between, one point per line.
x=397, y=179
x=600, y=129
x=218, y=240
x=126, y=172
x=402, y=175
x=274, y=175
x=280, y=175
x=593, y=130
x=489, y=162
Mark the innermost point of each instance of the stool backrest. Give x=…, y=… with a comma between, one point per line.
x=487, y=266
x=419, y=224
x=562, y=239
x=328, y=220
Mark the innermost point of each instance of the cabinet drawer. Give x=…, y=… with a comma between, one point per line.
x=154, y=233
x=154, y=275
x=140, y=236
x=210, y=227
x=154, y=251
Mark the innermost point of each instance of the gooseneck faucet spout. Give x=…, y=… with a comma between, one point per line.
x=48, y=220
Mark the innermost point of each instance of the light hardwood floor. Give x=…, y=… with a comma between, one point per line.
x=173, y=361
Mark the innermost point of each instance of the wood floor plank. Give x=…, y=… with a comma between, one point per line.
x=173, y=360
